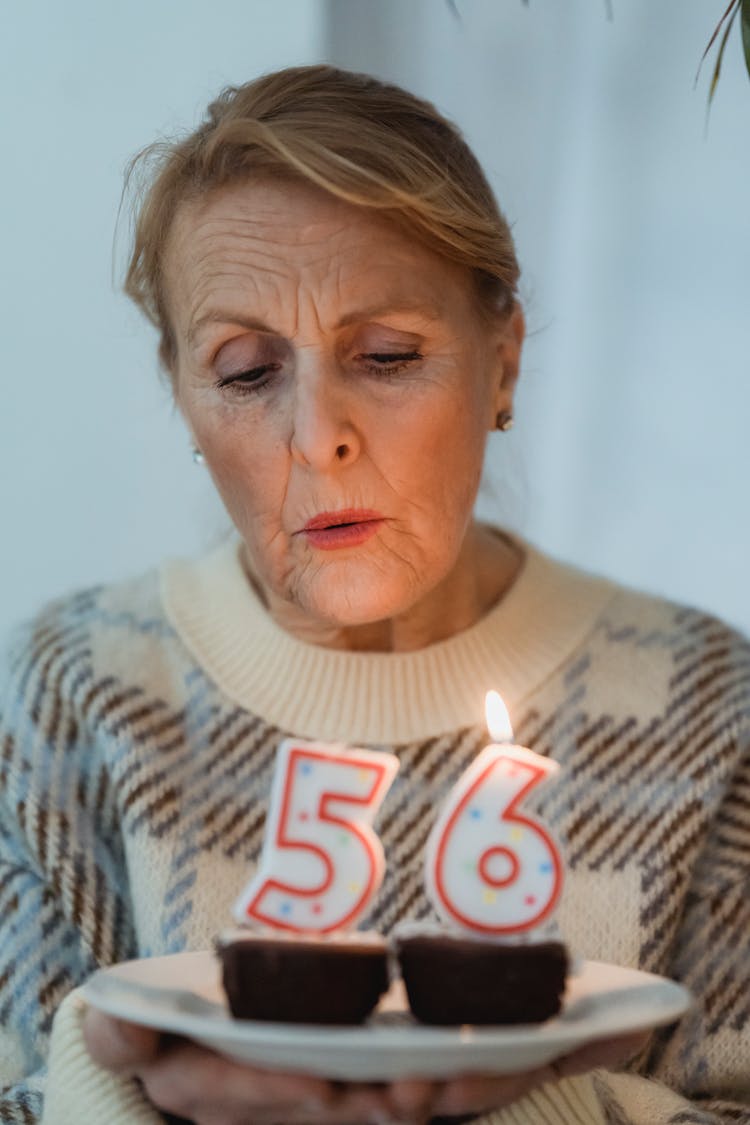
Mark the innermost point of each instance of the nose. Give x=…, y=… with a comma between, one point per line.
x=323, y=433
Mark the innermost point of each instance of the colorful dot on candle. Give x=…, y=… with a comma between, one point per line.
x=307, y=776
x=515, y=879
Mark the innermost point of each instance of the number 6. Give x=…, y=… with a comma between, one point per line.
x=489, y=868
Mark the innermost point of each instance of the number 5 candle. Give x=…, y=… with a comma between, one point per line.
x=322, y=863
x=489, y=868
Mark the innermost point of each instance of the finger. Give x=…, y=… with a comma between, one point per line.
x=607, y=1053
x=272, y=1087
x=195, y=1082
x=361, y=1102
x=411, y=1099
x=477, y=1093
x=117, y=1044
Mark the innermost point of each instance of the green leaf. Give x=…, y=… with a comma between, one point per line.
x=720, y=55
x=731, y=11
x=746, y=32
x=717, y=29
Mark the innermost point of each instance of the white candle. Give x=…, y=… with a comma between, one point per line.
x=322, y=863
x=489, y=868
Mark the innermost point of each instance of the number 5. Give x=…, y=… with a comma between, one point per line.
x=322, y=863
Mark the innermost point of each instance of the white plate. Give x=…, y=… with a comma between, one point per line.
x=183, y=994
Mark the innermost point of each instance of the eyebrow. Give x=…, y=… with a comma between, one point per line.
x=219, y=317
x=429, y=309
x=426, y=308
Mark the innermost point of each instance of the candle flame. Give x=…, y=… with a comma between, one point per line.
x=498, y=719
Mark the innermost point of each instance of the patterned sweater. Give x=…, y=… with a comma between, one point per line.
x=138, y=728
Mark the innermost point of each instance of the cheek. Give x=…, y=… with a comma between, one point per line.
x=441, y=449
x=249, y=467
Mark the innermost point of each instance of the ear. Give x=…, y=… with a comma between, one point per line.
x=509, y=345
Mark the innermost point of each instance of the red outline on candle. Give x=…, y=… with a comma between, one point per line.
x=365, y=834
x=538, y=774
x=485, y=858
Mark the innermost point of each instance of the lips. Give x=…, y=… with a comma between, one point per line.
x=325, y=520
x=346, y=528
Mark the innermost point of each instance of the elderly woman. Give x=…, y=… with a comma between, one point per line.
x=335, y=294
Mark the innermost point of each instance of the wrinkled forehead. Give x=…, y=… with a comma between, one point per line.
x=271, y=220
x=258, y=241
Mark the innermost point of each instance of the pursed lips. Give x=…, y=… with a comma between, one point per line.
x=343, y=517
x=347, y=527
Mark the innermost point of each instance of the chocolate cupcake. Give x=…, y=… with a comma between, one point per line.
x=452, y=979
x=303, y=979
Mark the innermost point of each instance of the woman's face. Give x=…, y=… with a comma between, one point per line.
x=341, y=386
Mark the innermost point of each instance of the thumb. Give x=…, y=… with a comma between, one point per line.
x=611, y=1054
x=118, y=1045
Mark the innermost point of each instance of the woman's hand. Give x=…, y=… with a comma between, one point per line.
x=183, y=1078
x=468, y=1096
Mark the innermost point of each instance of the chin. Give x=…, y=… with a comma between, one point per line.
x=356, y=600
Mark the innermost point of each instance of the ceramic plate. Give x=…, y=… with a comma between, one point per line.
x=182, y=994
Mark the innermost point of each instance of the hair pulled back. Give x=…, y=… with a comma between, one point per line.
x=365, y=141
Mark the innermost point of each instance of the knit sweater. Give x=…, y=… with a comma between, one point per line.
x=138, y=729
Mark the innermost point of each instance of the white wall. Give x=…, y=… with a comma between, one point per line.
x=96, y=480
x=631, y=452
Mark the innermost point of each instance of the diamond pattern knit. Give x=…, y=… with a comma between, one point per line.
x=136, y=755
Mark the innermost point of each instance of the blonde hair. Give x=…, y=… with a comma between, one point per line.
x=363, y=140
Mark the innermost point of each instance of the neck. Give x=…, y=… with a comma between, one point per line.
x=484, y=571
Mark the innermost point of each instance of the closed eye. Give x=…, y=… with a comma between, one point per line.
x=392, y=357
x=250, y=381
x=389, y=363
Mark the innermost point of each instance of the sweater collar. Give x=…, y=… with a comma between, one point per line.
x=315, y=692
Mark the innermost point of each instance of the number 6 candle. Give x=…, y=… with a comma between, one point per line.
x=322, y=863
x=489, y=868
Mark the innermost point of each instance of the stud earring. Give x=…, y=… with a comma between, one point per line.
x=504, y=421
x=198, y=457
